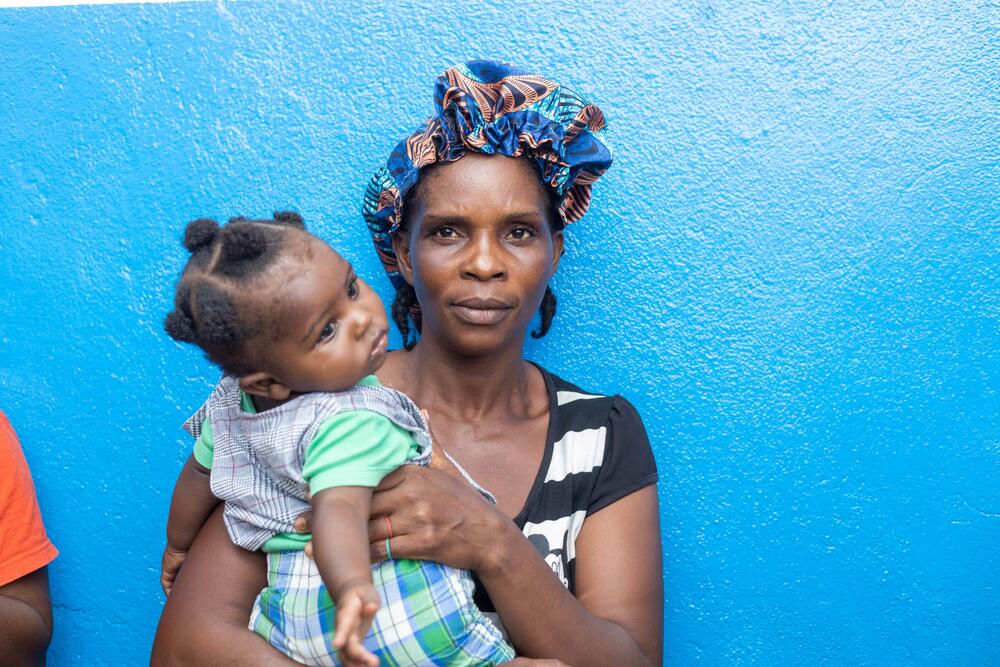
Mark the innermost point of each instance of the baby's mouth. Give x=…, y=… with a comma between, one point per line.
x=379, y=344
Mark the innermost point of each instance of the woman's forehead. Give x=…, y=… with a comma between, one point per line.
x=483, y=181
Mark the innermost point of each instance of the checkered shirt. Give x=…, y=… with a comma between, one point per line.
x=258, y=458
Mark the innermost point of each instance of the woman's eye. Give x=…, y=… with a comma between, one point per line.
x=445, y=232
x=328, y=331
x=521, y=233
x=353, y=289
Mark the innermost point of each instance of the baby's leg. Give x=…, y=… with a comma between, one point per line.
x=294, y=613
x=427, y=615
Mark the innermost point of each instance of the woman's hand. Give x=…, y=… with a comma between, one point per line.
x=433, y=514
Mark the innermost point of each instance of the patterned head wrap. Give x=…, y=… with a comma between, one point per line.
x=494, y=108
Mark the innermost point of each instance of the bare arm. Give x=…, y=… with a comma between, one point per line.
x=340, y=548
x=617, y=616
x=205, y=619
x=26, y=619
x=190, y=506
x=340, y=537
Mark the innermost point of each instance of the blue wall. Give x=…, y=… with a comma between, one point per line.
x=791, y=270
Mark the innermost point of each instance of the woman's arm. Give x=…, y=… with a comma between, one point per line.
x=617, y=616
x=205, y=619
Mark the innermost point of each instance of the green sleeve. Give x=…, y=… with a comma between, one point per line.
x=355, y=448
x=204, y=446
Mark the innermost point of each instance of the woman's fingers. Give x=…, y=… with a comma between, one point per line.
x=303, y=522
x=381, y=527
x=391, y=499
x=399, y=547
x=393, y=479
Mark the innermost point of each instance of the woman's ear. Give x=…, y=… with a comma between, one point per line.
x=557, y=250
x=261, y=384
x=401, y=246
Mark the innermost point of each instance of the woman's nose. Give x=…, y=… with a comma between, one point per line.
x=484, y=260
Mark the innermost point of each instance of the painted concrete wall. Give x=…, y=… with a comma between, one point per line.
x=791, y=270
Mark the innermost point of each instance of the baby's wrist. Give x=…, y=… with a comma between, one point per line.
x=349, y=585
x=173, y=548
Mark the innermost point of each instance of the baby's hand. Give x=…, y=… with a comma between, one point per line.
x=171, y=564
x=356, y=607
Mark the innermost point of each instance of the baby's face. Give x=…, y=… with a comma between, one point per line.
x=334, y=328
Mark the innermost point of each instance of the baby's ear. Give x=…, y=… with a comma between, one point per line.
x=264, y=385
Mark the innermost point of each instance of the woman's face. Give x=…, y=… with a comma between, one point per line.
x=479, y=251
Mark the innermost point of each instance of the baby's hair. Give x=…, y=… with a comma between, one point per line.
x=210, y=300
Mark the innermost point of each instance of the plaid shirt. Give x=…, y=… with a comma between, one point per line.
x=258, y=458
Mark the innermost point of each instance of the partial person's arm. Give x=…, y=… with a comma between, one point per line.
x=26, y=619
x=205, y=618
x=25, y=551
x=190, y=506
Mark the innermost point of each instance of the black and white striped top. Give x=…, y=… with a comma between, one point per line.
x=596, y=452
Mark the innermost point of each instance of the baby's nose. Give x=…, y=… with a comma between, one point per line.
x=362, y=321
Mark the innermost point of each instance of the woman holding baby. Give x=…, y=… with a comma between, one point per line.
x=468, y=217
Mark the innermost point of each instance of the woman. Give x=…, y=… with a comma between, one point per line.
x=468, y=218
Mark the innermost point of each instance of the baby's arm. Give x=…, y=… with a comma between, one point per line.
x=191, y=504
x=340, y=548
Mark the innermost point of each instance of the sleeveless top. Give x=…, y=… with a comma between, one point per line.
x=596, y=452
x=258, y=457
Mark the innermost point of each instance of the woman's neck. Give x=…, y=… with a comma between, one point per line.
x=466, y=386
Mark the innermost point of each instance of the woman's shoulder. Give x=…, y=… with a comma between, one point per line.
x=586, y=406
x=603, y=433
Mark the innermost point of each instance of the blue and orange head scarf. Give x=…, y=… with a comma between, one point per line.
x=494, y=108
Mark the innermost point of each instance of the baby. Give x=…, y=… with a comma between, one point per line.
x=299, y=421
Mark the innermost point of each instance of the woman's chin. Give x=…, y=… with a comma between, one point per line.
x=481, y=341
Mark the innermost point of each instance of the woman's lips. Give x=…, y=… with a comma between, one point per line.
x=481, y=312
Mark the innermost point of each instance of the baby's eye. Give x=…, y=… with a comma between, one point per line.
x=328, y=331
x=353, y=289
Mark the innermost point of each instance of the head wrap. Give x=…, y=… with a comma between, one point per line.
x=494, y=108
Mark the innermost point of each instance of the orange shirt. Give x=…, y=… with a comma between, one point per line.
x=24, y=546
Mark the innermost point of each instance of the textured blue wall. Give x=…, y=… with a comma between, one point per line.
x=791, y=270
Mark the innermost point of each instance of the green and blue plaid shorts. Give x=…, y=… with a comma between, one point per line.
x=427, y=616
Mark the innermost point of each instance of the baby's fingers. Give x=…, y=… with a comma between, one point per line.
x=368, y=611
x=167, y=583
x=347, y=621
x=356, y=653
